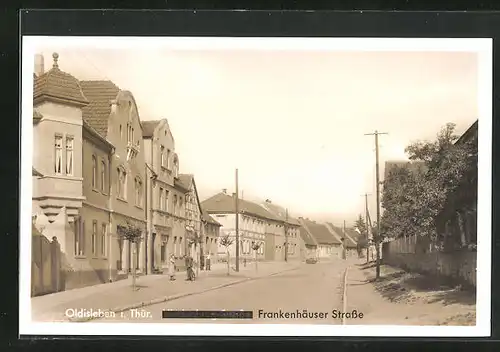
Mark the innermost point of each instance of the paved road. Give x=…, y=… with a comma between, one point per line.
x=316, y=288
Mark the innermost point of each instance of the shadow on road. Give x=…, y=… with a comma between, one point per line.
x=404, y=287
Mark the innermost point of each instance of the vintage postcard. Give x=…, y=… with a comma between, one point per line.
x=256, y=186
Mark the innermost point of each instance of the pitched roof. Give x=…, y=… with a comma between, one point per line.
x=469, y=134
x=224, y=203
x=348, y=240
x=100, y=94
x=306, y=237
x=280, y=213
x=56, y=84
x=148, y=128
x=206, y=217
x=319, y=232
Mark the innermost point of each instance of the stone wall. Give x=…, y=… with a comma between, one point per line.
x=408, y=255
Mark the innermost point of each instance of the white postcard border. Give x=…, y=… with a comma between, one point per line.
x=485, y=91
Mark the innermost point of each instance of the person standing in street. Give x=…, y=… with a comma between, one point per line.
x=208, y=260
x=171, y=267
x=189, y=268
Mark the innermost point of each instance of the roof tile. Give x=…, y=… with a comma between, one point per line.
x=222, y=202
x=100, y=94
x=59, y=85
x=320, y=232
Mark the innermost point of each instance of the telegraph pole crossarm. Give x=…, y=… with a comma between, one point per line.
x=377, y=175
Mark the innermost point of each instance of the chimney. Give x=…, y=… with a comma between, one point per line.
x=39, y=64
x=224, y=190
x=268, y=201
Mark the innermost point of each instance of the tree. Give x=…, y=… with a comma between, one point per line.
x=194, y=240
x=362, y=238
x=256, y=246
x=227, y=241
x=133, y=234
x=414, y=196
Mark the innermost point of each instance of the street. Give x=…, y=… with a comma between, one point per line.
x=313, y=287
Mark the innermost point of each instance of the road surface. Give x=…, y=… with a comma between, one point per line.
x=316, y=288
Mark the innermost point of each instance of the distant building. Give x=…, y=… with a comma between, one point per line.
x=278, y=241
x=254, y=224
x=327, y=245
x=308, y=246
x=346, y=238
x=211, y=234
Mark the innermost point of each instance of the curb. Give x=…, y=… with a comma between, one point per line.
x=344, y=296
x=172, y=297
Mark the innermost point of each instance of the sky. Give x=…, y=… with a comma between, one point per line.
x=292, y=121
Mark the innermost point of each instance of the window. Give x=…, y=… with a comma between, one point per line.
x=121, y=132
x=103, y=176
x=94, y=172
x=58, y=154
x=138, y=192
x=103, y=240
x=122, y=184
x=94, y=237
x=165, y=206
x=176, y=168
x=168, y=159
x=162, y=156
x=69, y=156
x=175, y=204
x=79, y=230
x=162, y=200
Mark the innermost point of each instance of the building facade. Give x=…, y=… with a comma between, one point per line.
x=113, y=114
x=282, y=234
x=90, y=174
x=328, y=246
x=193, y=216
x=211, y=234
x=165, y=206
x=252, y=225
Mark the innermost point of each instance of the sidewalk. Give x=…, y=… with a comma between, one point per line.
x=151, y=289
x=402, y=298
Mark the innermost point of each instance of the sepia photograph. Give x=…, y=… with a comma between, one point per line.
x=256, y=186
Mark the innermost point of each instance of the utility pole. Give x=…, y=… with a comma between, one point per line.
x=237, y=224
x=286, y=235
x=377, y=171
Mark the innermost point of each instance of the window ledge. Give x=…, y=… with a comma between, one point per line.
x=80, y=256
x=95, y=190
x=139, y=207
x=122, y=199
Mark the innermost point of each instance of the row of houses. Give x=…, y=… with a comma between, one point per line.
x=279, y=235
x=98, y=170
